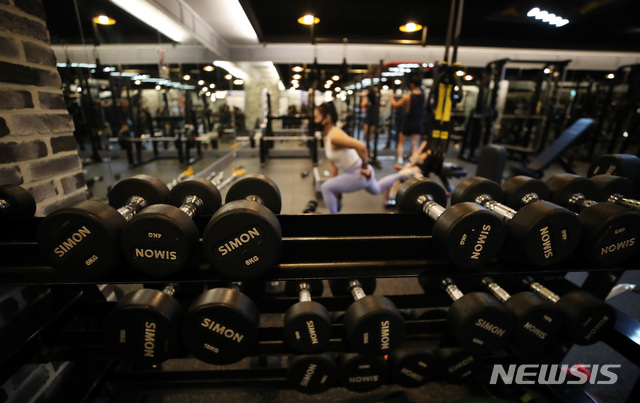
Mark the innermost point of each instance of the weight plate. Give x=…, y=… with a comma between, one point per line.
x=200, y=187
x=587, y=319
x=469, y=189
x=307, y=327
x=537, y=322
x=256, y=185
x=458, y=364
x=312, y=374
x=626, y=165
x=411, y=190
x=152, y=189
x=518, y=187
x=564, y=186
x=615, y=185
x=413, y=368
x=243, y=240
x=361, y=374
x=21, y=203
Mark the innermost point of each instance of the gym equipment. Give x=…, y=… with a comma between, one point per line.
x=311, y=207
x=220, y=327
x=536, y=320
x=626, y=165
x=617, y=190
x=536, y=167
x=469, y=234
x=307, y=324
x=609, y=231
x=312, y=374
x=360, y=373
x=82, y=240
x=587, y=319
x=143, y=327
x=16, y=202
x=476, y=320
x=373, y=324
x=542, y=232
x=243, y=239
x=491, y=162
x=160, y=240
x=413, y=368
x=458, y=365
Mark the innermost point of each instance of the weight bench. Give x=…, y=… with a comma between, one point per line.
x=554, y=151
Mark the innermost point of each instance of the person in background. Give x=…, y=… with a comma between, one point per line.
x=414, y=102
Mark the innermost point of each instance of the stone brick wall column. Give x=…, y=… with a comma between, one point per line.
x=37, y=147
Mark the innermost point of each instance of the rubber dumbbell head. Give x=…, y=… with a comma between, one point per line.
x=458, y=365
x=541, y=232
x=476, y=320
x=413, y=368
x=83, y=239
x=244, y=238
x=144, y=326
x=312, y=374
x=160, y=240
x=469, y=234
x=609, y=232
x=537, y=321
x=16, y=202
x=587, y=319
x=307, y=324
x=617, y=190
x=220, y=327
x=360, y=373
x=626, y=165
x=372, y=323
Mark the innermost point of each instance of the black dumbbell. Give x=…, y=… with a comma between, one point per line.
x=541, y=232
x=458, y=365
x=476, y=320
x=312, y=374
x=143, y=327
x=413, y=368
x=244, y=237
x=220, y=327
x=83, y=239
x=617, y=190
x=609, y=231
x=160, y=239
x=626, y=165
x=537, y=322
x=587, y=319
x=469, y=234
x=373, y=324
x=16, y=202
x=307, y=324
x=360, y=373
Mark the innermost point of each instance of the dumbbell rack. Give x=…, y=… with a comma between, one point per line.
x=63, y=325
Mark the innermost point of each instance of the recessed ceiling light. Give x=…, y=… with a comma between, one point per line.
x=207, y=68
x=158, y=88
x=297, y=69
x=201, y=82
x=335, y=78
x=104, y=20
x=238, y=82
x=410, y=27
x=212, y=85
x=297, y=76
x=468, y=77
x=610, y=76
x=186, y=77
x=460, y=73
x=228, y=77
x=308, y=19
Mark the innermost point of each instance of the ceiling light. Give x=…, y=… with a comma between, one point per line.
x=548, y=17
x=308, y=20
x=350, y=92
x=294, y=81
x=200, y=82
x=212, y=85
x=610, y=76
x=385, y=87
x=104, y=20
x=297, y=76
x=541, y=15
x=232, y=68
x=410, y=27
x=228, y=77
x=562, y=23
x=208, y=93
x=335, y=78
x=547, y=70
x=398, y=82
x=207, y=68
x=158, y=88
x=79, y=89
x=329, y=82
x=205, y=89
x=327, y=86
x=338, y=89
x=137, y=82
x=533, y=12
x=295, y=85
x=297, y=69
x=468, y=77
x=238, y=82
x=460, y=73
x=186, y=77
x=545, y=16
x=153, y=16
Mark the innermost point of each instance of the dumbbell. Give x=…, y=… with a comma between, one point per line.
x=16, y=202
x=220, y=327
x=609, y=231
x=587, y=319
x=476, y=320
x=307, y=324
x=617, y=190
x=312, y=374
x=469, y=234
x=541, y=232
x=626, y=165
x=143, y=327
x=360, y=373
x=83, y=239
x=536, y=320
x=413, y=368
x=372, y=323
x=159, y=241
x=243, y=239
x=458, y=364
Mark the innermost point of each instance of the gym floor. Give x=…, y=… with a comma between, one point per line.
x=297, y=190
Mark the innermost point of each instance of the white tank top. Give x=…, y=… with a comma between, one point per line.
x=343, y=158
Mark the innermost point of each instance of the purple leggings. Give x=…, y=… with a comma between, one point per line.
x=351, y=181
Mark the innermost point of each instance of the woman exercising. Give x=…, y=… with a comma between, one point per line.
x=349, y=156
x=414, y=119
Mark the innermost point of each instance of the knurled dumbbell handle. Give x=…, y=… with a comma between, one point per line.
x=170, y=289
x=255, y=198
x=451, y=289
x=530, y=198
x=305, y=292
x=578, y=202
x=191, y=204
x=544, y=291
x=623, y=201
x=430, y=207
x=356, y=290
x=133, y=206
x=500, y=293
x=504, y=212
x=4, y=206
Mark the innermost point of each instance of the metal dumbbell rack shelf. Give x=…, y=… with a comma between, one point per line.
x=314, y=247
